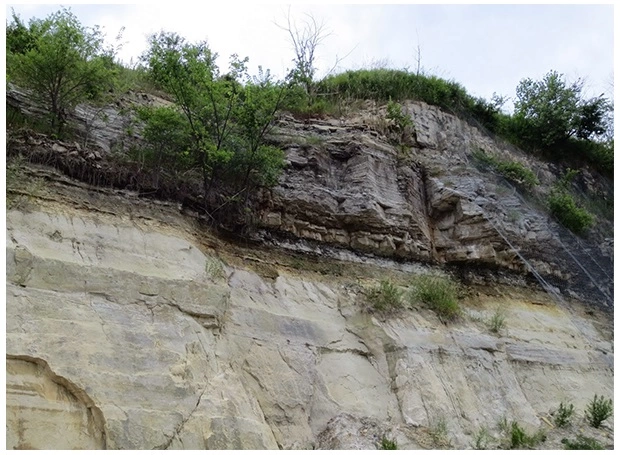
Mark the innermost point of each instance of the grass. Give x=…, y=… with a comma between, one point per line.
x=384, y=84
x=582, y=443
x=482, y=439
x=514, y=171
x=518, y=173
x=439, y=433
x=517, y=437
x=214, y=268
x=388, y=444
x=439, y=293
x=484, y=159
x=385, y=297
x=497, y=322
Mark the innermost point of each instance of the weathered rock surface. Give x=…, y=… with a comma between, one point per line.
x=45, y=410
x=107, y=127
x=131, y=334
x=127, y=330
x=347, y=185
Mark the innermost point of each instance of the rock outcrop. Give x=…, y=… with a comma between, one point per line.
x=132, y=328
x=130, y=325
x=346, y=185
x=349, y=184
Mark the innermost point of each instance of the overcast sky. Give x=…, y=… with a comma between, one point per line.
x=486, y=48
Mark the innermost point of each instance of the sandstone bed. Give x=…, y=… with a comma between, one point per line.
x=132, y=328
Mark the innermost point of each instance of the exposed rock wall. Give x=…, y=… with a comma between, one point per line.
x=349, y=184
x=134, y=335
x=345, y=187
x=45, y=410
x=126, y=329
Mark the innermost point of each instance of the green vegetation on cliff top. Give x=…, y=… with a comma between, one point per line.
x=221, y=119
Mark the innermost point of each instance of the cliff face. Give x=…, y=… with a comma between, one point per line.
x=346, y=185
x=130, y=327
x=352, y=183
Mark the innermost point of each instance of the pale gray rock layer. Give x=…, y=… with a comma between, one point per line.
x=128, y=335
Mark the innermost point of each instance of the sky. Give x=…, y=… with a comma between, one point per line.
x=488, y=48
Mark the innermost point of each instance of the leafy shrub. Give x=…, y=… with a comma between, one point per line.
x=601, y=156
x=60, y=60
x=388, y=444
x=400, y=124
x=554, y=110
x=511, y=170
x=166, y=135
x=564, y=414
x=439, y=293
x=133, y=77
x=582, y=443
x=385, y=297
x=518, y=173
x=567, y=178
x=225, y=120
x=598, y=410
x=563, y=206
x=303, y=106
x=395, y=114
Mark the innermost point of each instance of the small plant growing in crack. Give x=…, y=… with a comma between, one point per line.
x=517, y=437
x=388, y=444
x=564, y=414
x=438, y=432
x=214, y=268
x=497, y=322
x=598, y=410
x=582, y=443
x=482, y=439
x=385, y=297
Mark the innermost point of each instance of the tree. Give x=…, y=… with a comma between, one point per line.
x=167, y=136
x=62, y=61
x=189, y=73
x=19, y=38
x=305, y=41
x=228, y=117
x=551, y=111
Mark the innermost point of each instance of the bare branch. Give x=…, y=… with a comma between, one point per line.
x=305, y=39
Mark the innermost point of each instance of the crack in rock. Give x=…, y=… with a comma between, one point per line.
x=180, y=426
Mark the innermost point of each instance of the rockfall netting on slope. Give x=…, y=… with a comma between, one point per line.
x=586, y=270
